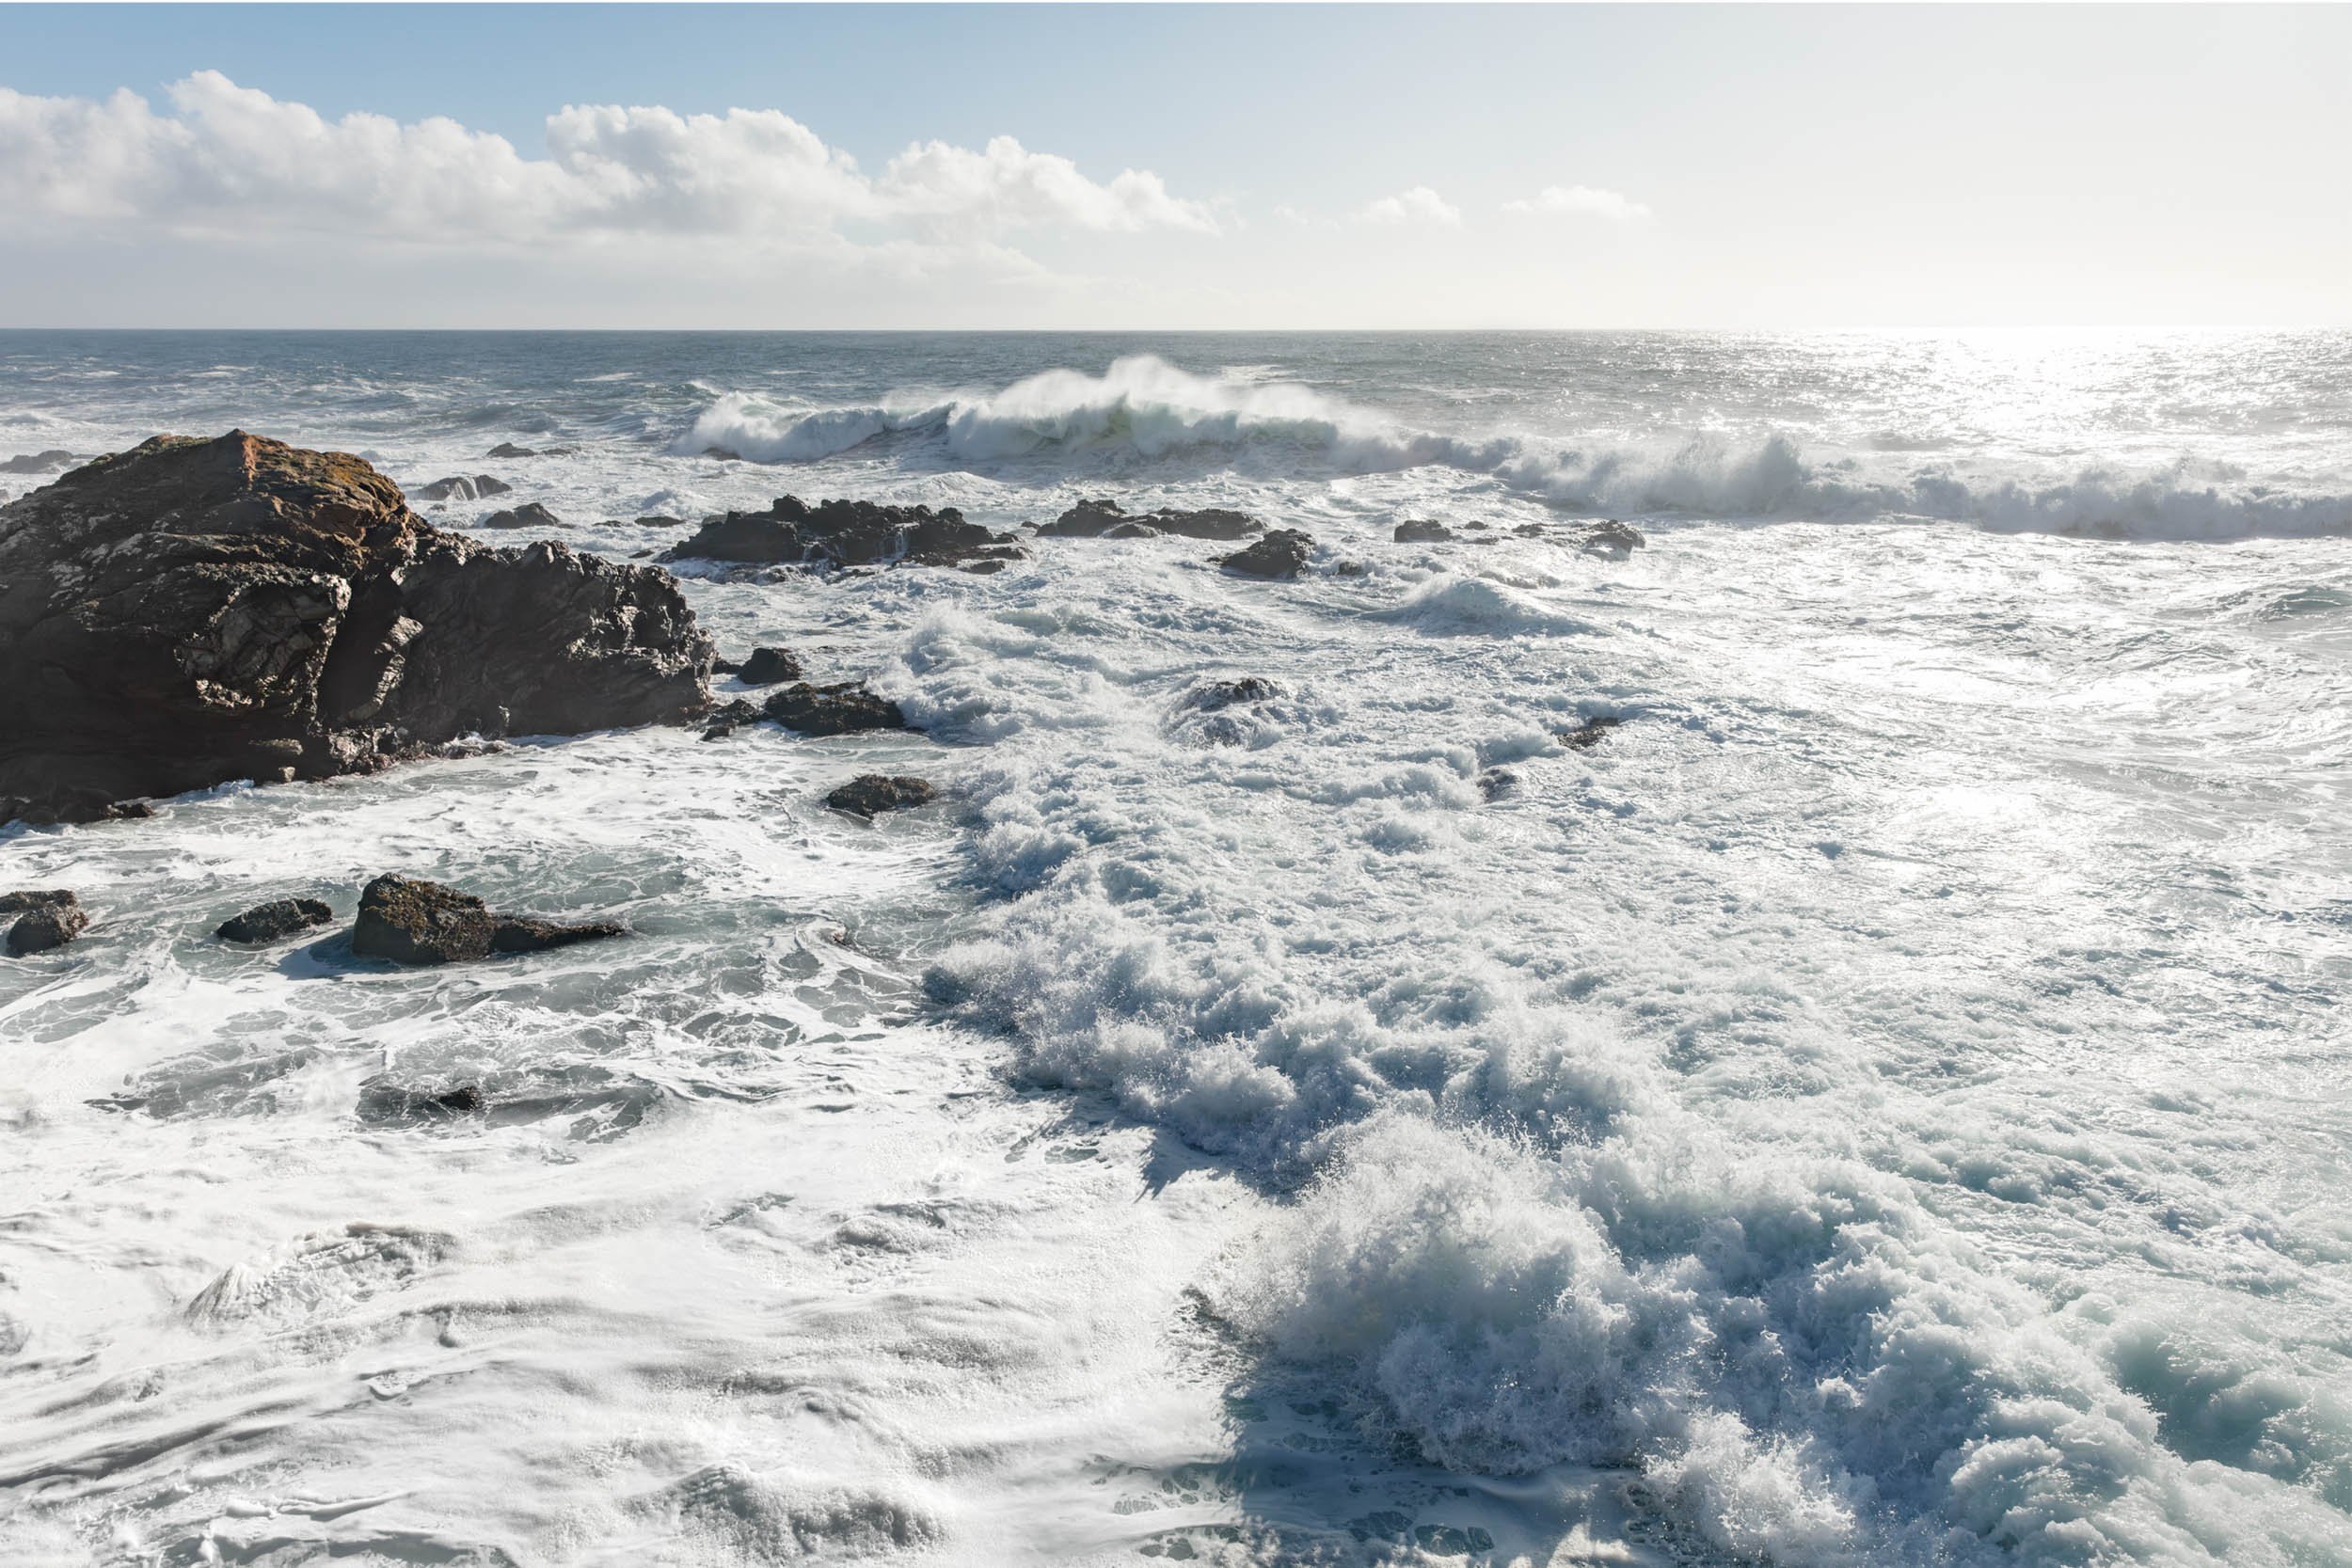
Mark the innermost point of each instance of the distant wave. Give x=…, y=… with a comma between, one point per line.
x=1143, y=407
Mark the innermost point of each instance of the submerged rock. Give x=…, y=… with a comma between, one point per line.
x=767, y=665
x=727, y=718
x=869, y=794
x=1496, y=784
x=1281, y=554
x=842, y=708
x=269, y=922
x=45, y=920
x=1589, y=734
x=1413, y=532
x=414, y=922
x=462, y=487
x=39, y=462
x=528, y=514
x=1614, y=539
x=380, y=1102
x=836, y=533
x=1212, y=695
x=1107, y=519
x=195, y=611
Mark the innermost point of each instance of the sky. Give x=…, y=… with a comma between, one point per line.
x=1217, y=166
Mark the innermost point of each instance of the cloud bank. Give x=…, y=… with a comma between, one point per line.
x=232, y=161
x=1419, y=205
x=1582, y=201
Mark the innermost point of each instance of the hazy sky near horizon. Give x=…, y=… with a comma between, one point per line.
x=1175, y=166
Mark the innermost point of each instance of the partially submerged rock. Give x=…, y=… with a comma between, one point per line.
x=47, y=462
x=1211, y=695
x=45, y=920
x=1591, y=733
x=869, y=794
x=842, y=708
x=724, y=720
x=508, y=448
x=464, y=487
x=767, y=665
x=382, y=1102
x=1416, y=533
x=1282, y=553
x=836, y=533
x=1205, y=710
x=528, y=514
x=414, y=922
x=1107, y=519
x=195, y=611
x=274, y=920
x=1614, y=539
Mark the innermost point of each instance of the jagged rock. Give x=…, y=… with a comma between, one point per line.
x=836, y=533
x=767, y=665
x=195, y=611
x=270, y=922
x=1107, y=519
x=461, y=487
x=45, y=920
x=1212, y=695
x=39, y=462
x=1413, y=532
x=727, y=719
x=1614, y=539
x=1280, y=554
x=842, y=708
x=528, y=514
x=415, y=922
x=869, y=794
x=1589, y=734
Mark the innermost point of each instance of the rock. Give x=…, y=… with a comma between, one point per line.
x=1280, y=554
x=869, y=794
x=380, y=1102
x=1203, y=711
x=842, y=708
x=767, y=665
x=19, y=903
x=49, y=920
x=726, y=719
x=1107, y=519
x=1614, y=539
x=270, y=922
x=414, y=922
x=39, y=462
x=1212, y=695
x=195, y=611
x=1497, y=783
x=1410, y=532
x=508, y=448
x=656, y=520
x=528, y=514
x=837, y=533
x=1590, y=732
x=462, y=488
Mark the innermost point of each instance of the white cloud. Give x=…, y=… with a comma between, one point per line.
x=1419, y=205
x=1582, y=201
x=233, y=160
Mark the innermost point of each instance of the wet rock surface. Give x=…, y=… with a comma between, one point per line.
x=1107, y=519
x=44, y=920
x=1212, y=695
x=724, y=720
x=1591, y=733
x=385, y=1102
x=195, y=611
x=273, y=920
x=870, y=794
x=838, y=533
x=465, y=488
x=768, y=665
x=844, y=707
x=1415, y=533
x=528, y=514
x=1282, y=553
x=1614, y=539
x=415, y=922
x=48, y=462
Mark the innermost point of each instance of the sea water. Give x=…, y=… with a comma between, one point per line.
x=1884, y=1104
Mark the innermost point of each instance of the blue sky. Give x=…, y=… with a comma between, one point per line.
x=1291, y=165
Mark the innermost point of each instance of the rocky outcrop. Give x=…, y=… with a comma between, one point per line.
x=1107, y=519
x=1413, y=532
x=836, y=533
x=44, y=920
x=462, y=487
x=727, y=718
x=842, y=708
x=275, y=921
x=870, y=794
x=1614, y=539
x=1282, y=553
x=528, y=514
x=1212, y=695
x=414, y=922
x=39, y=462
x=195, y=611
x=767, y=665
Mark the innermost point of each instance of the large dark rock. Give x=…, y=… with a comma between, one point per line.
x=767, y=665
x=415, y=922
x=508, y=448
x=1614, y=539
x=461, y=487
x=1589, y=734
x=1107, y=519
x=870, y=794
x=44, y=920
x=528, y=514
x=842, y=708
x=724, y=720
x=273, y=920
x=838, y=533
x=1415, y=533
x=39, y=462
x=1212, y=695
x=195, y=611
x=1281, y=554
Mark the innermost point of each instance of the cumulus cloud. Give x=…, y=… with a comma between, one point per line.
x=1582, y=201
x=1419, y=205
x=224, y=159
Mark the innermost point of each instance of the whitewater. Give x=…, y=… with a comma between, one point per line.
x=1883, y=1104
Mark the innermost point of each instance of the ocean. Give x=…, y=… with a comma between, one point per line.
x=1884, y=1104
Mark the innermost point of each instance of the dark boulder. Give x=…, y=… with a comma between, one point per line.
x=1212, y=695
x=658, y=520
x=508, y=448
x=382, y=1102
x=528, y=514
x=461, y=487
x=195, y=611
x=39, y=462
x=837, y=533
x=729, y=716
x=1413, y=532
x=1107, y=519
x=1614, y=539
x=415, y=922
x=270, y=922
x=869, y=794
x=767, y=665
x=1280, y=554
x=1591, y=733
x=44, y=920
x=528, y=934
x=842, y=708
